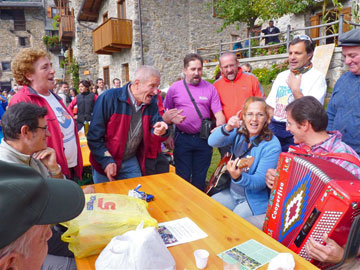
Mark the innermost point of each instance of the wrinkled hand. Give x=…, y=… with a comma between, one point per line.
x=234, y=171
x=233, y=122
x=89, y=189
x=173, y=116
x=270, y=178
x=331, y=252
x=48, y=157
x=160, y=128
x=294, y=82
x=169, y=143
x=110, y=171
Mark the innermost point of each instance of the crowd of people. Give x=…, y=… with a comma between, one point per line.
x=130, y=124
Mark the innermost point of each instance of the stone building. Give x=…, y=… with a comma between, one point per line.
x=20, y=23
x=23, y=24
x=129, y=33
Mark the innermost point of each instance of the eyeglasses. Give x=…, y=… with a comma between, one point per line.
x=44, y=128
x=257, y=115
x=303, y=37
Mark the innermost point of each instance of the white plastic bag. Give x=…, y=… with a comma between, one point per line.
x=141, y=249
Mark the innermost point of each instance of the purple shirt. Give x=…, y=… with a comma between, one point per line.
x=206, y=98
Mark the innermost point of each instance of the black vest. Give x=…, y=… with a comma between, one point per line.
x=85, y=104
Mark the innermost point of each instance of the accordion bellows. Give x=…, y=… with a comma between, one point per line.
x=311, y=196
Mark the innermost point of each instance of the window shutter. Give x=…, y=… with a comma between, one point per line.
x=49, y=13
x=314, y=32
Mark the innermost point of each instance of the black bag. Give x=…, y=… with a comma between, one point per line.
x=206, y=124
x=206, y=127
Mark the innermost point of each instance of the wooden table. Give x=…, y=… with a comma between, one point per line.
x=175, y=198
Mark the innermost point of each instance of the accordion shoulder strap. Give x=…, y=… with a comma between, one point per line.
x=343, y=156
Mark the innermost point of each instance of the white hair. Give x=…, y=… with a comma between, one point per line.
x=22, y=244
x=227, y=54
x=143, y=73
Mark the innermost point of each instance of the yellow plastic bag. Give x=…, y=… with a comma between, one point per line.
x=104, y=216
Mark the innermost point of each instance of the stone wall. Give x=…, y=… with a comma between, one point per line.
x=336, y=69
x=82, y=46
x=171, y=29
x=10, y=45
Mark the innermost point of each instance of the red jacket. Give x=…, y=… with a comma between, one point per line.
x=55, y=141
x=233, y=94
x=110, y=125
x=155, y=145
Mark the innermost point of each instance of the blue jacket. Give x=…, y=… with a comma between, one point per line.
x=266, y=157
x=110, y=125
x=343, y=109
x=3, y=106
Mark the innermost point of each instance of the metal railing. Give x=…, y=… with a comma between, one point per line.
x=215, y=50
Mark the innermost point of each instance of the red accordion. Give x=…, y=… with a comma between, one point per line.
x=311, y=196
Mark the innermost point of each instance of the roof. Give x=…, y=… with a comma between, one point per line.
x=22, y=3
x=89, y=10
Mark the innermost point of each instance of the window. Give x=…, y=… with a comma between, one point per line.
x=5, y=86
x=5, y=66
x=51, y=33
x=121, y=9
x=6, y=14
x=51, y=12
x=105, y=17
x=125, y=73
x=17, y=15
x=24, y=41
x=331, y=17
x=106, y=75
x=19, y=20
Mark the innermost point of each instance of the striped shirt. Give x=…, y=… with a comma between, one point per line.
x=333, y=144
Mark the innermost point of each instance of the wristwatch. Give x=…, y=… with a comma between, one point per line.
x=56, y=172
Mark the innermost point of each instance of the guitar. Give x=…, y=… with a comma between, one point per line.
x=217, y=181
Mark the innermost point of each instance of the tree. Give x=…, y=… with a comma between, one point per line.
x=248, y=11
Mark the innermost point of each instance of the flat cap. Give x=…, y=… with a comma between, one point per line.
x=351, y=38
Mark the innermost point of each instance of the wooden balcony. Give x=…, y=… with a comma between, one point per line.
x=112, y=36
x=66, y=28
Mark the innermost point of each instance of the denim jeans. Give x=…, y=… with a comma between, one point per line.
x=238, y=206
x=129, y=169
x=192, y=156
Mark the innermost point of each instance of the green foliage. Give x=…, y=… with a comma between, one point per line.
x=217, y=70
x=51, y=41
x=245, y=11
x=73, y=70
x=56, y=22
x=267, y=76
x=355, y=10
x=331, y=15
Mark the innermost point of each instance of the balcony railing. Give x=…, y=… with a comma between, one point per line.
x=22, y=3
x=66, y=28
x=112, y=36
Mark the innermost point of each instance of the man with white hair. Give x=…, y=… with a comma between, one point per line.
x=28, y=203
x=123, y=122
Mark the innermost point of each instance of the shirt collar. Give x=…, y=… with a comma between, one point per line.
x=133, y=100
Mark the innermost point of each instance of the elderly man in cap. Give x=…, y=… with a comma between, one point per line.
x=28, y=203
x=25, y=133
x=343, y=109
